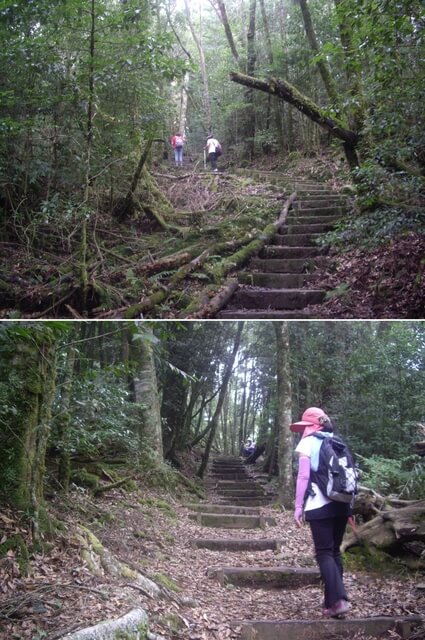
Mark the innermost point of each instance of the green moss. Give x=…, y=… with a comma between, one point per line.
x=168, y=537
x=369, y=558
x=167, y=582
x=84, y=478
x=141, y=535
x=140, y=633
x=16, y=542
x=158, y=503
x=173, y=622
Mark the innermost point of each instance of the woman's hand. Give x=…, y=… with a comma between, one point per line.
x=299, y=517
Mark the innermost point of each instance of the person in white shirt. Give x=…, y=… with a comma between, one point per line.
x=327, y=518
x=213, y=148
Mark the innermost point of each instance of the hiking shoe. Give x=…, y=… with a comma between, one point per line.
x=338, y=610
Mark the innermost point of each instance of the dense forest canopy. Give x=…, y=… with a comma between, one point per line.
x=74, y=392
x=85, y=84
x=91, y=93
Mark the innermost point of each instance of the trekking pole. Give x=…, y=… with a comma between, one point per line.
x=205, y=159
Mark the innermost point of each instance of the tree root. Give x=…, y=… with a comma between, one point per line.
x=100, y=561
x=133, y=624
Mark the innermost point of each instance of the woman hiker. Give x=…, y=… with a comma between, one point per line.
x=177, y=142
x=327, y=518
x=213, y=148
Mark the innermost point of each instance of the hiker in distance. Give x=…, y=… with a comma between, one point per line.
x=177, y=142
x=327, y=516
x=213, y=148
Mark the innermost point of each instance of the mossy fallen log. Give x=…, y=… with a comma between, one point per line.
x=220, y=270
x=216, y=303
x=148, y=303
x=112, y=485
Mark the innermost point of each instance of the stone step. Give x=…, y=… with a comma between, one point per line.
x=272, y=251
x=404, y=626
x=316, y=227
x=241, y=493
x=265, y=577
x=233, y=484
x=319, y=211
x=287, y=265
x=224, y=508
x=303, y=218
x=263, y=314
x=228, y=476
x=232, y=521
x=222, y=468
x=276, y=280
x=295, y=239
x=277, y=298
x=233, y=544
x=248, y=502
x=321, y=199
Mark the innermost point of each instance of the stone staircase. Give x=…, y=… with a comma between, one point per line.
x=215, y=514
x=276, y=284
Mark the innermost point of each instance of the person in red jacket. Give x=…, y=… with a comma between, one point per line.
x=177, y=142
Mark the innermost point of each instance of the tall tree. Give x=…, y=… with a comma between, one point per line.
x=284, y=414
x=146, y=395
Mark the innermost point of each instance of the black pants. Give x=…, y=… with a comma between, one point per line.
x=213, y=159
x=327, y=537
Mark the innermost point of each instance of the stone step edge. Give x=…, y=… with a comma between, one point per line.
x=255, y=577
x=263, y=521
x=224, y=509
x=238, y=544
x=405, y=626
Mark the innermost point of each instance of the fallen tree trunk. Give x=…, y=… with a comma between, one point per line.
x=210, y=309
x=159, y=296
x=390, y=529
x=239, y=258
x=112, y=485
x=369, y=503
x=290, y=94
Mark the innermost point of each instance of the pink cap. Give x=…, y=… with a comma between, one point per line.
x=310, y=418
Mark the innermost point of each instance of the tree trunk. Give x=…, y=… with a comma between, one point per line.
x=287, y=92
x=89, y=145
x=64, y=469
x=220, y=401
x=284, y=416
x=129, y=198
x=23, y=443
x=353, y=68
x=249, y=128
x=146, y=394
x=229, y=35
x=328, y=81
x=206, y=93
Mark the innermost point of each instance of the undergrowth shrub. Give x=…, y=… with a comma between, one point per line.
x=404, y=477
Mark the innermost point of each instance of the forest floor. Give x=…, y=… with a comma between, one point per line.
x=151, y=532
x=136, y=268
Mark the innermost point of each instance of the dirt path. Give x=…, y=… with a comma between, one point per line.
x=153, y=532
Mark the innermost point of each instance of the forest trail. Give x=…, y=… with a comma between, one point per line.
x=279, y=283
x=229, y=482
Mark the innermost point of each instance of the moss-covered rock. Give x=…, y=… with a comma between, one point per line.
x=83, y=478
